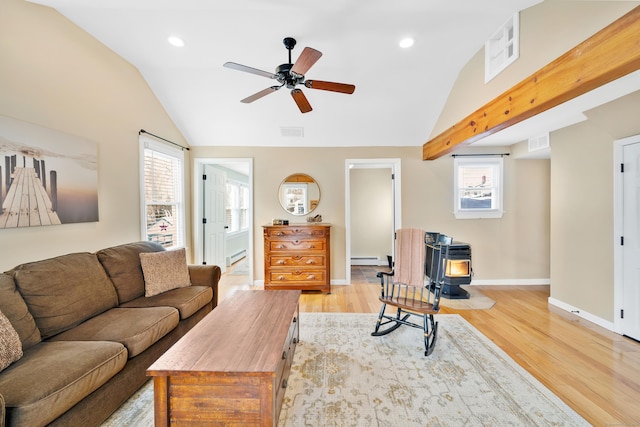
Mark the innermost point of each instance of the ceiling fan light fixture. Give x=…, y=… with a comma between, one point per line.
x=175, y=41
x=406, y=42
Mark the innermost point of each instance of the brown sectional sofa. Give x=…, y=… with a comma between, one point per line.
x=89, y=333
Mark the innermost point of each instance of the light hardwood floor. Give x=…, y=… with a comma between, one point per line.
x=595, y=371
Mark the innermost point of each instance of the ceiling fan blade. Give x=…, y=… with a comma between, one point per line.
x=331, y=86
x=260, y=94
x=251, y=70
x=307, y=58
x=301, y=100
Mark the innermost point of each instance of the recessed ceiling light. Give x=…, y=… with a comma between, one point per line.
x=406, y=42
x=176, y=41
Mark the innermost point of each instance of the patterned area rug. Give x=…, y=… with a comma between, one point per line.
x=342, y=376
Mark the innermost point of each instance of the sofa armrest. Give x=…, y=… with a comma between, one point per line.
x=206, y=275
x=1, y=411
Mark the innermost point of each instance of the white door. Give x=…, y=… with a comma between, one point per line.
x=631, y=244
x=215, y=196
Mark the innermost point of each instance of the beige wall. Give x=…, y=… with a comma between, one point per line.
x=582, y=173
x=581, y=170
x=371, y=207
x=514, y=248
x=547, y=31
x=55, y=75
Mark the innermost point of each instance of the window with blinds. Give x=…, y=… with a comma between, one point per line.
x=162, y=194
x=478, y=187
x=237, y=206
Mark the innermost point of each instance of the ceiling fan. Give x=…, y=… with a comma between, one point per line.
x=291, y=75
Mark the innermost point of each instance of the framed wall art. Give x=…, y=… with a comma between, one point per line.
x=47, y=177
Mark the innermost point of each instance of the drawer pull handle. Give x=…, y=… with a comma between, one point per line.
x=284, y=355
x=297, y=257
x=310, y=262
x=284, y=383
x=311, y=277
x=296, y=242
x=312, y=246
x=280, y=262
x=280, y=247
x=278, y=233
x=280, y=277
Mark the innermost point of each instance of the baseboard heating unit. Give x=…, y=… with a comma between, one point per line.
x=365, y=260
x=236, y=257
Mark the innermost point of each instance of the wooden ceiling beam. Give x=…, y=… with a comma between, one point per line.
x=606, y=56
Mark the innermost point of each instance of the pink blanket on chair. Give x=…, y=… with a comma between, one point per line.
x=410, y=253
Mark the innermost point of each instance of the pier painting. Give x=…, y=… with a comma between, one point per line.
x=46, y=177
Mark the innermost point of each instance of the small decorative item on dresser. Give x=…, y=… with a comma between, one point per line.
x=317, y=218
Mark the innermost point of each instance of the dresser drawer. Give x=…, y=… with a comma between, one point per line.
x=297, y=245
x=284, y=367
x=297, y=276
x=297, y=261
x=295, y=232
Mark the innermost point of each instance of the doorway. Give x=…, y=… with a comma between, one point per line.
x=382, y=209
x=214, y=244
x=627, y=237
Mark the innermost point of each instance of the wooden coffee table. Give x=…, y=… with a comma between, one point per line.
x=232, y=367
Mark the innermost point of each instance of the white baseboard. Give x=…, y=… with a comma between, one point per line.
x=505, y=282
x=581, y=313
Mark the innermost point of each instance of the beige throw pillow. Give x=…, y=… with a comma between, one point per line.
x=164, y=271
x=10, y=345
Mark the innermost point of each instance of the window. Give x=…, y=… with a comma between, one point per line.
x=478, y=187
x=237, y=206
x=162, y=188
x=502, y=49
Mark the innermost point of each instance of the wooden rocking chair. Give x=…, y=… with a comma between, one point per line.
x=405, y=289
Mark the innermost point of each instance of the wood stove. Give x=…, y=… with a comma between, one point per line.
x=449, y=264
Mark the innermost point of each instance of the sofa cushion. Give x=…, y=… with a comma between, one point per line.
x=122, y=264
x=187, y=300
x=63, y=292
x=51, y=377
x=10, y=345
x=164, y=271
x=135, y=328
x=14, y=307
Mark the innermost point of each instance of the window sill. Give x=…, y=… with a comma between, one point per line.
x=479, y=214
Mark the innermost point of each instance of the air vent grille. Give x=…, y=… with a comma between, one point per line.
x=292, y=131
x=539, y=142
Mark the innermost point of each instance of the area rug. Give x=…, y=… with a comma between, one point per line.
x=342, y=376
x=476, y=301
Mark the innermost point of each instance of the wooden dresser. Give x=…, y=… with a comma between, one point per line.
x=297, y=256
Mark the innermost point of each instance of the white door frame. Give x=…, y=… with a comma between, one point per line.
x=618, y=230
x=198, y=168
x=394, y=165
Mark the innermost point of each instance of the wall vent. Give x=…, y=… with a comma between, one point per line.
x=292, y=131
x=236, y=257
x=539, y=142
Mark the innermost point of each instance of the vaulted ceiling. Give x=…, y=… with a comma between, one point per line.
x=399, y=92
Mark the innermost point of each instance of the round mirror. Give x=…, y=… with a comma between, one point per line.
x=299, y=194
